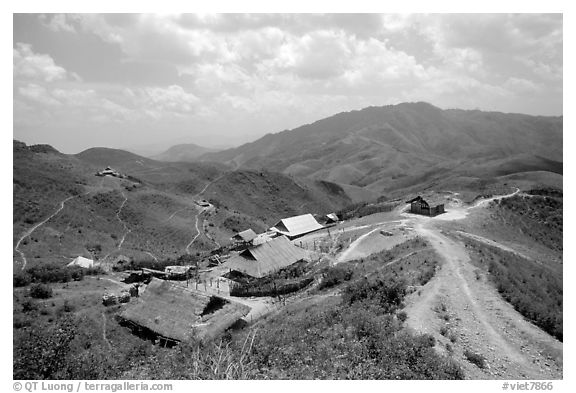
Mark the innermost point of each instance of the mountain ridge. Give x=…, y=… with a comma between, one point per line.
x=361, y=147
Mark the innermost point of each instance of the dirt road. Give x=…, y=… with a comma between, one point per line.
x=460, y=300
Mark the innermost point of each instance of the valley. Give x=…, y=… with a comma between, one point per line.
x=371, y=291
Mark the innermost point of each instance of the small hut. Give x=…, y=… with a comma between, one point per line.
x=244, y=238
x=419, y=206
x=82, y=262
x=169, y=313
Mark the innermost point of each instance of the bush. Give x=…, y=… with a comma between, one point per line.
x=21, y=279
x=475, y=358
x=40, y=291
x=65, y=308
x=28, y=306
x=334, y=276
x=49, y=273
x=268, y=288
x=402, y=316
x=386, y=294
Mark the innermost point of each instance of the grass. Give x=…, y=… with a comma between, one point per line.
x=533, y=289
x=539, y=217
x=414, y=260
x=360, y=335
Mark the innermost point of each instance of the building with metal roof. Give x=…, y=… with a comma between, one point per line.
x=266, y=258
x=420, y=206
x=245, y=236
x=294, y=227
x=82, y=262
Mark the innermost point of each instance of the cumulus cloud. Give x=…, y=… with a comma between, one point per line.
x=30, y=65
x=282, y=70
x=58, y=22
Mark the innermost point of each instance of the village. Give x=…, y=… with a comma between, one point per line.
x=253, y=275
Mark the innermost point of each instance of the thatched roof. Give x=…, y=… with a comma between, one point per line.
x=246, y=236
x=296, y=226
x=263, y=259
x=180, y=313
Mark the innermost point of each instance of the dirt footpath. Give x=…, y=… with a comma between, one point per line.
x=473, y=316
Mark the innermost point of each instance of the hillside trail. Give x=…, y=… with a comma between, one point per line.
x=196, y=236
x=197, y=230
x=478, y=317
x=31, y=230
x=342, y=257
x=126, y=229
x=104, y=336
x=35, y=227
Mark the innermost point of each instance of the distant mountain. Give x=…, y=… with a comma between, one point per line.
x=394, y=146
x=104, y=156
x=187, y=152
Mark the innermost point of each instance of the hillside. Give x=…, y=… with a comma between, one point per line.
x=150, y=214
x=392, y=147
x=184, y=153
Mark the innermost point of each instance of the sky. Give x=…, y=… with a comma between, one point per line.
x=149, y=81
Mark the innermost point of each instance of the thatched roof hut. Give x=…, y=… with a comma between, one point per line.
x=266, y=258
x=174, y=312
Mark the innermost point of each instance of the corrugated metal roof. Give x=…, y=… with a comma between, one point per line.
x=247, y=235
x=266, y=258
x=298, y=225
x=82, y=262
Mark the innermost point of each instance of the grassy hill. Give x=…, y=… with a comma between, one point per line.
x=151, y=213
x=183, y=153
x=391, y=147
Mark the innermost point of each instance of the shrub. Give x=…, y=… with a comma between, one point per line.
x=387, y=294
x=48, y=273
x=40, y=291
x=334, y=276
x=28, y=306
x=402, y=316
x=21, y=279
x=475, y=358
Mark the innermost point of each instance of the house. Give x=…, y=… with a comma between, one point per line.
x=177, y=272
x=266, y=258
x=82, y=262
x=419, y=206
x=331, y=218
x=297, y=226
x=170, y=313
x=244, y=238
x=203, y=203
x=108, y=172
x=264, y=237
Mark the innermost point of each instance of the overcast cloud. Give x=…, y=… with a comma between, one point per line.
x=218, y=80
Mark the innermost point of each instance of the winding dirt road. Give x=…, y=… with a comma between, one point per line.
x=460, y=301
